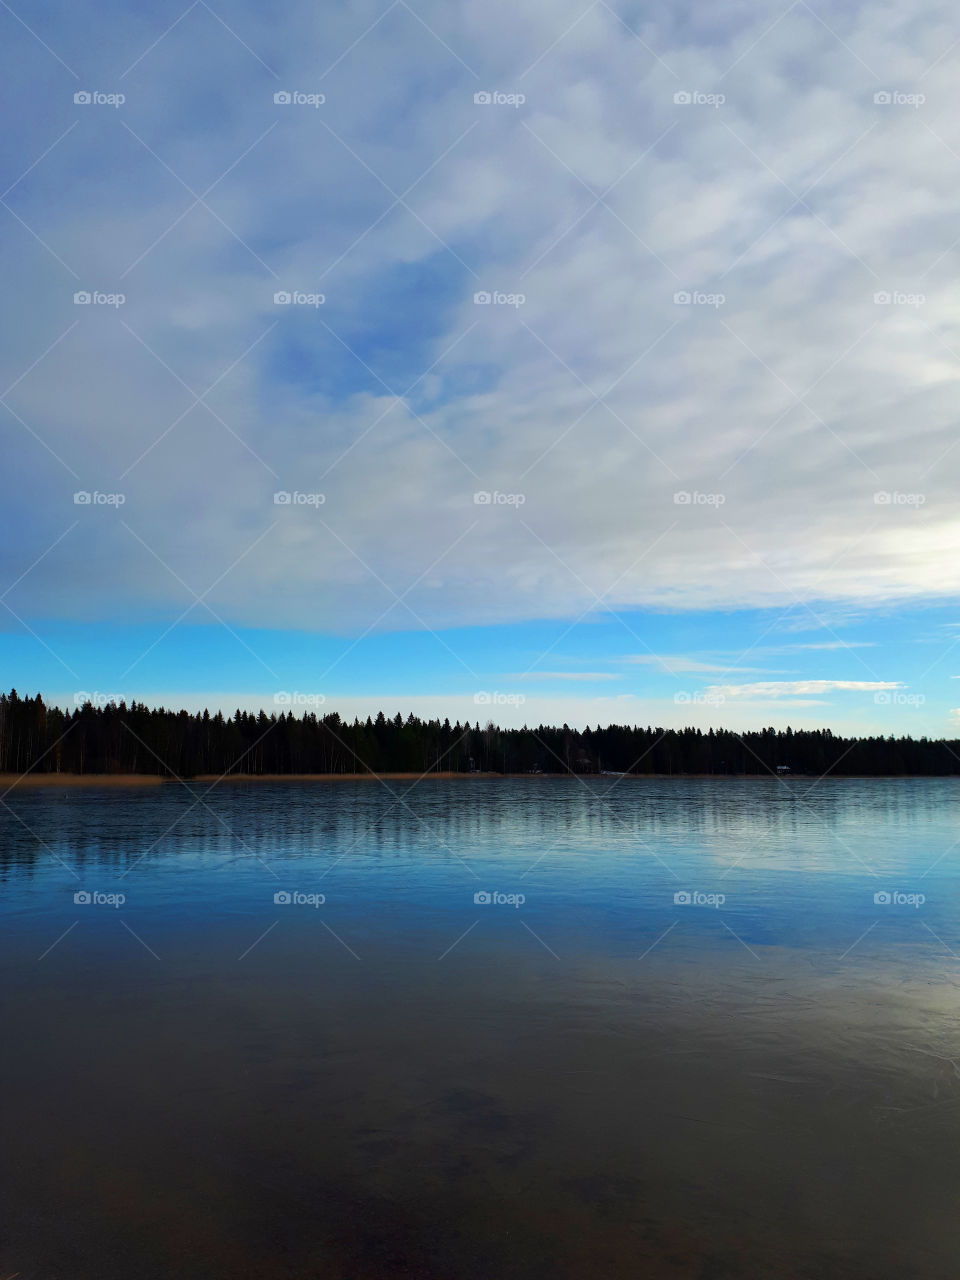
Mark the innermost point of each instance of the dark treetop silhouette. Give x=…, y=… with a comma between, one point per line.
x=135, y=739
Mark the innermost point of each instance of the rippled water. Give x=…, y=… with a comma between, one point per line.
x=596, y=1081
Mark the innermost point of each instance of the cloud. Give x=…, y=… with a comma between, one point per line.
x=680, y=663
x=565, y=675
x=792, y=442
x=828, y=645
x=794, y=688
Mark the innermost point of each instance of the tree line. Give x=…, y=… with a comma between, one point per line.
x=137, y=739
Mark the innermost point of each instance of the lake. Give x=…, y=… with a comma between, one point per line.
x=486, y=1028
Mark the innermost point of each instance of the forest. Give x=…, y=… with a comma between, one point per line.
x=137, y=739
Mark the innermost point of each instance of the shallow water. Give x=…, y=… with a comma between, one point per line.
x=598, y=1081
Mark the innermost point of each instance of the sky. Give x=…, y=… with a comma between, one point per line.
x=538, y=363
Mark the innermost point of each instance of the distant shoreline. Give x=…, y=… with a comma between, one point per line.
x=9, y=781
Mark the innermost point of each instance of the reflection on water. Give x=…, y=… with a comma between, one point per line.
x=592, y=1077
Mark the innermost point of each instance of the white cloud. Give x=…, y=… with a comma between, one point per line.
x=794, y=688
x=681, y=663
x=565, y=675
x=698, y=400
x=827, y=645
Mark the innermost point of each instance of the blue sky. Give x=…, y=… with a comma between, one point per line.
x=711, y=398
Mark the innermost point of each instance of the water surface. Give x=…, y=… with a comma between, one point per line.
x=598, y=1080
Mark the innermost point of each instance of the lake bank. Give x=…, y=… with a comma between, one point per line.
x=10, y=781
